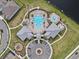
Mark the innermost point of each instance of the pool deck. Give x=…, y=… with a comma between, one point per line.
x=38, y=17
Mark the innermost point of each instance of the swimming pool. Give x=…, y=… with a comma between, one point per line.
x=55, y=18
x=38, y=22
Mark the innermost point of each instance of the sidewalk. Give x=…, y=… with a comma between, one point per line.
x=72, y=52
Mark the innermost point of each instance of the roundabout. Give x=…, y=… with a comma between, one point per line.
x=40, y=50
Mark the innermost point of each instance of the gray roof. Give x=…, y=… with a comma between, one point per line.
x=29, y=35
x=47, y=35
x=3, y=2
x=52, y=31
x=10, y=9
x=52, y=27
x=24, y=33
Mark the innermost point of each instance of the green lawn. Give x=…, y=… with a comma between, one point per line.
x=63, y=47
x=15, y=39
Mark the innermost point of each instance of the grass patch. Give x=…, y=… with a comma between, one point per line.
x=63, y=47
x=15, y=39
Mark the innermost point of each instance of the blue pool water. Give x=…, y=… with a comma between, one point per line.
x=38, y=22
x=54, y=17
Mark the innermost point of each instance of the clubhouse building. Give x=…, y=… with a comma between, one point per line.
x=40, y=23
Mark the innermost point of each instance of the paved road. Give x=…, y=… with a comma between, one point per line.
x=75, y=55
x=5, y=35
